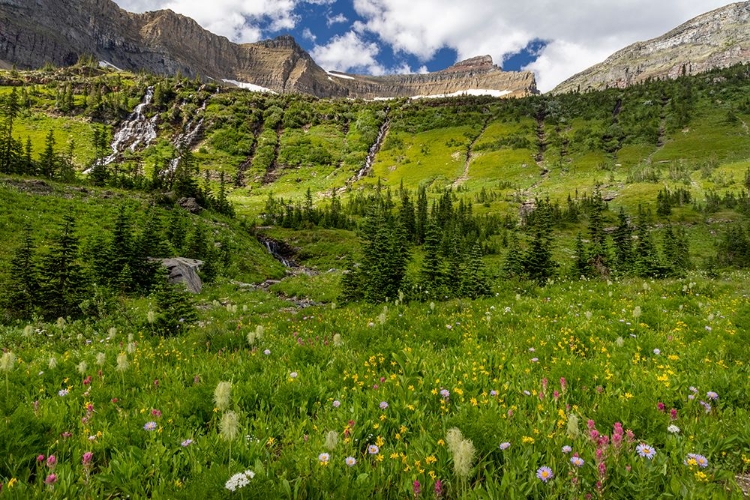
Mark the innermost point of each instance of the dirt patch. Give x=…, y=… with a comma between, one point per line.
x=35, y=186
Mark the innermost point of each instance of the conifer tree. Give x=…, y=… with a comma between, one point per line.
x=474, y=282
x=623, y=239
x=22, y=288
x=48, y=161
x=175, y=310
x=537, y=262
x=597, y=252
x=10, y=110
x=513, y=265
x=27, y=166
x=432, y=275
x=421, y=222
x=646, y=261
x=581, y=267
x=63, y=283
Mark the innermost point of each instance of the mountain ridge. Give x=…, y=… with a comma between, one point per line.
x=716, y=39
x=167, y=43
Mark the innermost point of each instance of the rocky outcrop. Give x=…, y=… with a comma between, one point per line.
x=717, y=39
x=185, y=271
x=478, y=73
x=35, y=32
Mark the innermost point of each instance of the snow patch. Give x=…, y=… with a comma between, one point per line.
x=249, y=86
x=342, y=76
x=105, y=64
x=472, y=92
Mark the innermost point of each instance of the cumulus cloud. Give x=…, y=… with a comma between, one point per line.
x=238, y=20
x=337, y=19
x=580, y=33
x=348, y=53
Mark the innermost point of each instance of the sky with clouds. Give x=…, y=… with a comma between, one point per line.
x=552, y=38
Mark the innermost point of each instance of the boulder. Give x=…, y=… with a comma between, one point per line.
x=191, y=205
x=182, y=270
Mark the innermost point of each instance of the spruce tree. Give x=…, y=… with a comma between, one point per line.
x=49, y=161
x=623, y=240
x=22, y=288
x=420, y=224
x=10, y=111
x=513, y=265
x=175, y=310
x=63, y=283
x=581, y=267
x=646, y=260
x=474, y=282
x=537, y=262
x=432, y=275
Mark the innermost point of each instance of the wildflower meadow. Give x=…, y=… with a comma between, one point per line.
x=577, y=390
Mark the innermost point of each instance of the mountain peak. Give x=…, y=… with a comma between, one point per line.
x=167, y=43
x=716, y=39
x=478, y=63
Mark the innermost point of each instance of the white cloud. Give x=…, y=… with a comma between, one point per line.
x=238, y=20
x=581, y=33
x=337, y=19
x=348, y=53
x=309, y=35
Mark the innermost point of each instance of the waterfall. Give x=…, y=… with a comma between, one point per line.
x=136, y=130
x=373, y=150
x=188, y=137
x=277, y=250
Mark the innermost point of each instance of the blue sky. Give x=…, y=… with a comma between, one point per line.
x=552, y=38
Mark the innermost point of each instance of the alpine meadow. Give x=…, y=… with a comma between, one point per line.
x=542, y=296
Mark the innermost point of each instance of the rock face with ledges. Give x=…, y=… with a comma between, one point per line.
x=717, y=39
x=35, y=32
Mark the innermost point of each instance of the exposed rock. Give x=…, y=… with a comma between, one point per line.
x=163, y=42
x=717, y=39
x=182, y=270
x=191, y=205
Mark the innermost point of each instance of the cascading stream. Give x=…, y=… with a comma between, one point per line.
x=136, y=130
x=374, y=149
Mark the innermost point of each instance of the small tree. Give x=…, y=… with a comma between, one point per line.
x=175, y=310
x=63, y=283
x=22, y=288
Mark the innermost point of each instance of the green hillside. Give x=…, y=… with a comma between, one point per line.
x=540, y=273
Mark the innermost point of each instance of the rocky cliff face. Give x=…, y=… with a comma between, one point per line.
x=717, y=39
x=478, y=73
x=34, y=32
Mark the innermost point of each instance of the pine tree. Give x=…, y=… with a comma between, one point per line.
x=121, y=250
x=513, y=265
x=352, y=288
x=623, y=239
x=432, y=275
x=175, y=310
x=22, y=288
x=407, y=216
x=10, y=110
x=177, y=226
x=222, y=203
x=421, y=219
x=48, y=161
x=646, y=260
x=28, y=167
x=63, y=283
x=537, y=262
x=474, y=282
x=581, y=267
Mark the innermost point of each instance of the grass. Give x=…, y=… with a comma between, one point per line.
x=622, y=349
